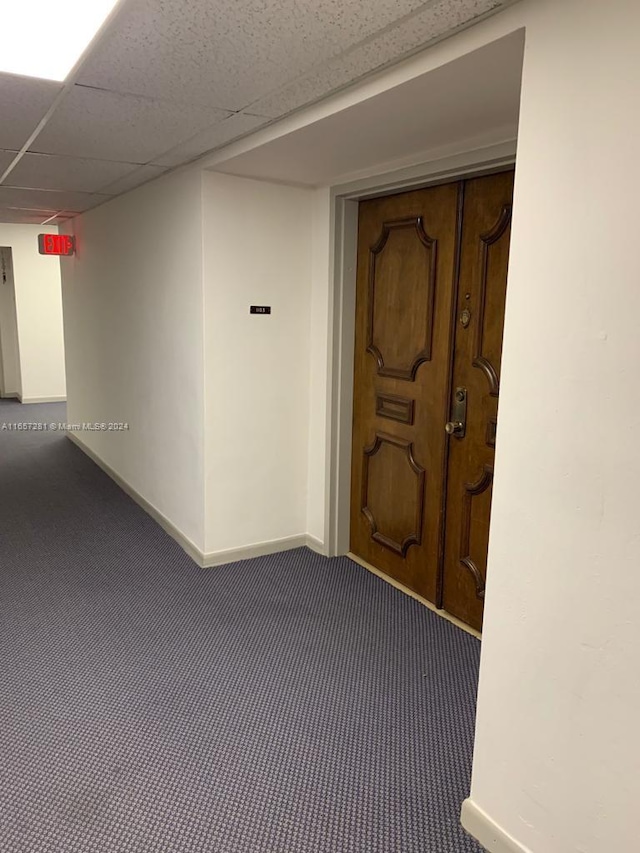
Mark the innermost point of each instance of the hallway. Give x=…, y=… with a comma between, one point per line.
x=287, y=704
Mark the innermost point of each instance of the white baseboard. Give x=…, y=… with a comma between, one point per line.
x=10, y=395
x=208, y=560
x=185, y=543
x=259, y=549
x=492, y=837
x=315, y=545
x=28, y=400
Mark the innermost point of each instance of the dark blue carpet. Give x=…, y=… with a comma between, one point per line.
x=288, y=704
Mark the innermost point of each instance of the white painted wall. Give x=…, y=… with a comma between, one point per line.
x=557, y=749
x=133, y=305
x=217, y=400
x=257, y=251
x=10, y=384
x=38, y=305
x=557, y=756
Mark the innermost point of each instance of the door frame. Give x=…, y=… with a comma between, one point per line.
x=9, y=322
x=344, y=199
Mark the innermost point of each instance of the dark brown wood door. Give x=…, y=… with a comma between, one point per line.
x=406, y=266
x=482, y=290
x=431, y=287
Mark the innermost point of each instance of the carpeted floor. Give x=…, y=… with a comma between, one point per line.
x=288, y=704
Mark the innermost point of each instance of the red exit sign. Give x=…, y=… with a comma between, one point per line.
x=56, y=244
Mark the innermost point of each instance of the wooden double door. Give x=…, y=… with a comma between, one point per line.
x=431, y=289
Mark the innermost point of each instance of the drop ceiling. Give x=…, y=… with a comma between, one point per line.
x=167, y=82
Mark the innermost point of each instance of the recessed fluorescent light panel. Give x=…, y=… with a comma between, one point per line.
x=42, y=38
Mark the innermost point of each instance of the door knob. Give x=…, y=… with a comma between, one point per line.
x=457, y=425
x=454, y=428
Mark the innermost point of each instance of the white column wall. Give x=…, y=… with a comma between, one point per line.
x=257, y=251
x=133, y=304
x=557, y=748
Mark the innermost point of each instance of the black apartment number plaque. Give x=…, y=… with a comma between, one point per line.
x=260, y=309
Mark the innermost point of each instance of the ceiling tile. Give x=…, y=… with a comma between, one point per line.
x=50, y=172
x=226, y=53
x=22, y=197
x=6, y=157
x=139, y=176
x=213, y=137
x=24, y=217
x=24, y=101
x=91, y=123
x=397, y=41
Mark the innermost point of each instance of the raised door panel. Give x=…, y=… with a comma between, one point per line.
x=405, y=289
x=479, y=327
x=474, y=529
x=402, y=267
x=390, y=466
x=493, y=259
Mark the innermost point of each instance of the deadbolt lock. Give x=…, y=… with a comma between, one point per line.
x=458, y=423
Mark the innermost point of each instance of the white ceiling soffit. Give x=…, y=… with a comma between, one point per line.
x=167, y=82
x=410, y=35
x=475, y=97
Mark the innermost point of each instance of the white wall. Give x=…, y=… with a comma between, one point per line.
x=39, y=314
x=257, y=241
x=557, y=753
x=159, y=335
x=133, y=304
x=10, y=383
